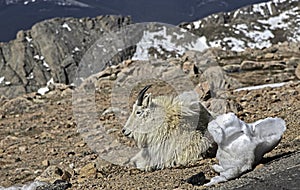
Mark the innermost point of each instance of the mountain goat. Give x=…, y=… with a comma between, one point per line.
x=170, y=131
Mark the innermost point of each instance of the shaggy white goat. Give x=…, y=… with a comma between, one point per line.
x=240, y=145
x=170, y=131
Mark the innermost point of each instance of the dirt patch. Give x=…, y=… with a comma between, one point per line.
x=45, y=134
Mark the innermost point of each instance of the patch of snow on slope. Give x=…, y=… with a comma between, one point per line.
x=261, y=39
x=161, y=40
x=65, y=25
x=277, y=21
x=1, y=79
x=235, y=44
x=259, y=8
x=274, y=85
x=44, y=90
x=197, y=24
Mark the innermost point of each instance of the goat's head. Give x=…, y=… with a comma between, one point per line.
x=140, y=114
x=152, y=119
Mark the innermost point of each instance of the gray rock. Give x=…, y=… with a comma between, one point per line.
x=297, y=71
x=53, y=174
x=251, y=65
x=231, y=68
x=51, y=49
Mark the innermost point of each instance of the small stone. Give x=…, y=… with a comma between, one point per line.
x=18, y=159
x=87, y=171
x=128, y=62
x=72, y=165
x=297, y=138
x=269, y=56
x=67, y=92
x=231, y=68
x=297, y=71
x=53, y=173
x=70, y=124
x=45, y=163
x=251, y=65
x=21, y=35
x=203, y=90
x=259, y=166
x=80, y=144
x=22, y=148
x=46, y=135
x=187, y=67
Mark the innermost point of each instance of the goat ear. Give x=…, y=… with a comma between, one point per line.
x=147, y=101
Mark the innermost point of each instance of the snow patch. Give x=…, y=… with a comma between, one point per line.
x=161, y=40
x=197, y=24
x=235, y=44
x=76, y=49
x=257, y=35
x=241, y=27
x=45, y=64
x=1, y=79
x=39, y=57
x=261, y=39
x=258, y=8
x=27, y=2
x=28, y=39
x=44, y=90
x=65, y=25
x=276, y=22
x=30, y=76
x=274, y=85
x=178, y=36
x=269, y=5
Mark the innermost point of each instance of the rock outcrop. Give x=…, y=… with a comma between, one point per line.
x=51, y=49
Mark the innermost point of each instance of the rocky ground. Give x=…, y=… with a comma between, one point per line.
x=40, y=137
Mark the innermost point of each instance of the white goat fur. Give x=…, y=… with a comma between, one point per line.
x=170, y=131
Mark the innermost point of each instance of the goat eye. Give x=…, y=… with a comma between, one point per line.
x=138, y=112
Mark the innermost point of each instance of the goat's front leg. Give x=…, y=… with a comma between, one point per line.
x=142, y=160
x=224, y=176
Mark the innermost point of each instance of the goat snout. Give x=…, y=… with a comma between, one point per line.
x=126, y=132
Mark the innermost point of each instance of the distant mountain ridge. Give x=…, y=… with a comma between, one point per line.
x=58, y=2
x=166, y=11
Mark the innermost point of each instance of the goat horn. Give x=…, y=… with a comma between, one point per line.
x=141, y=95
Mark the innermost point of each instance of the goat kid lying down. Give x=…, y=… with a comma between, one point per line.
x=170, y=131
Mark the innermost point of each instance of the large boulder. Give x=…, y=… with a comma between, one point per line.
x=51, y=49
